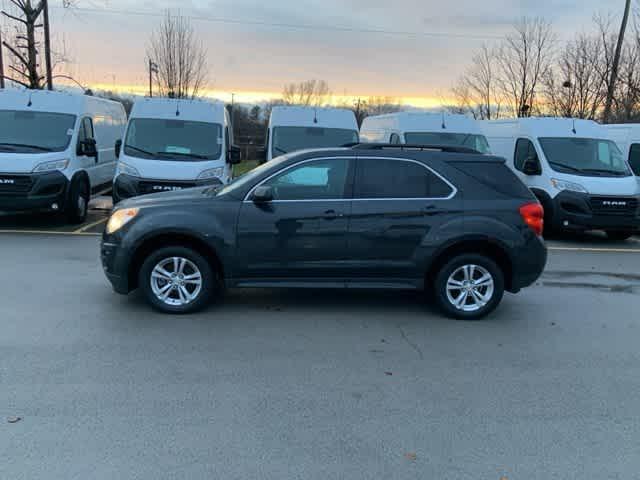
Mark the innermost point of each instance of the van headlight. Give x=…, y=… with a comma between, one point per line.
x=211, y=173
x=120, y=218
x=51, y=166
x=564, y=185
x=128, y=169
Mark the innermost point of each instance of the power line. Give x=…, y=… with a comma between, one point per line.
x=290, y=26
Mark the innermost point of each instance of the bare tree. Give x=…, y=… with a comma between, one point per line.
x=575, y=86
x=616, y=63
x=180, y=57
x=524, y=60
x=477, y=90
x=23, y=62
x=308, y=93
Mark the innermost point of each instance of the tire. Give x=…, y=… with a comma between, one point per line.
x=173, y=289
x=479, y=266
x=619, y=235
x=78, y=202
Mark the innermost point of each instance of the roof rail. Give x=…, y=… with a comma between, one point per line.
x=399, y=146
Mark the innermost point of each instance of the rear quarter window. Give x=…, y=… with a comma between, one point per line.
x=496, y=176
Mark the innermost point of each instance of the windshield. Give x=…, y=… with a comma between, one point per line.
x=585, y=156
x=290, y=139
x=476, y=142
x=173, y=140
x=33, y=132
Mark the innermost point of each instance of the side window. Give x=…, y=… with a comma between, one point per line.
x=383, y=178
x=86, y=130
x=634, y=158
x=524, y=150
x=394, y=139
x=315, y=180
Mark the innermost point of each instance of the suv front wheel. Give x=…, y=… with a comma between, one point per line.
x=177, y=280
x=469, y=287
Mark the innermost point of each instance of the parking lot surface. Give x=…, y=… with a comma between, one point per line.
x=317, y=384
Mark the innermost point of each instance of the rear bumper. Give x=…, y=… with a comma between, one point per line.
x=580, y=211
x=528, y=263
x=126, y=186
x=43, y=191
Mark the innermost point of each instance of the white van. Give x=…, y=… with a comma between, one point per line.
x=299, y=128
x=173, y=144
x=418, y=128
x=627, y=137
x=577, y=173
x=55, y=150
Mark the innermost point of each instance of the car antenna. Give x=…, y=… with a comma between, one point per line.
x=574, y=127
x=315, y=115
x=444, y=123
x=30, y=102
x=178, y=107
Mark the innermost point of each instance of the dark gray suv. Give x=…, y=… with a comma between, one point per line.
x=458, y=224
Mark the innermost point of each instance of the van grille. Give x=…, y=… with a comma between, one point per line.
x=624, y=206
x=15, y=183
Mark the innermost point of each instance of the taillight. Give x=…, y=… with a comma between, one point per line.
x=533, y=216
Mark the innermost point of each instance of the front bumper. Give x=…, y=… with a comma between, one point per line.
x=29, y=192
x=581, y=211
x=115, y=266
x=126, y=186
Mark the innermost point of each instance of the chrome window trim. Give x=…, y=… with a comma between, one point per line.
x=454, y=189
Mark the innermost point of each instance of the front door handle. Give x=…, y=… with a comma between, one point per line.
x=429, y=210
x=332, y=215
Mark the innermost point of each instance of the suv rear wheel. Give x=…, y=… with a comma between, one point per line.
x=177, y=280
x=469, y=287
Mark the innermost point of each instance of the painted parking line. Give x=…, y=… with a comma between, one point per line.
x=51, y=232
x=594, y=249
x=91, y=225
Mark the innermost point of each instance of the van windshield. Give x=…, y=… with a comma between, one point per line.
x=585, y=156
x=290, y=139
x=176, y=140
x=444, y=139
x=35, y=132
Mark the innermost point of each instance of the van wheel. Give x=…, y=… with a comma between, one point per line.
x=469, y=287
x=78, y=202
x=619, y=235
x=177, y=280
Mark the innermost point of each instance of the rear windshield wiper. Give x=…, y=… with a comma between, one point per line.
x=568, y=167
x=25, y=145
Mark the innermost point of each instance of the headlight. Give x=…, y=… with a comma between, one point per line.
x=564, y=185
x=128, y=169
x=120, y=218
x=211, y=173
x=51, y=166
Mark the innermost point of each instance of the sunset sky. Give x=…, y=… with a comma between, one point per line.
x=254, y=47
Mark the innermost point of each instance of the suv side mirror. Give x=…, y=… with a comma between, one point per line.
x=118, y=148
x=532, y=166
x=261, y=155
x=88, y=148
x=234, y=155
x=263, y=194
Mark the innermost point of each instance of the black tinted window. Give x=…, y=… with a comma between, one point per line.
x=379, y=178
x=634, y=158
x=496, y=176
x=524, y=149
x=316, y=180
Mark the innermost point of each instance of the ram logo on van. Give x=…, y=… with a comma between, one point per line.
x=166, y=188
x=613, y=203
x=7, y=181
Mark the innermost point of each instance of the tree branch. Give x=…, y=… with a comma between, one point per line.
x=16, y=54
x=17, y=19
x=16, y=81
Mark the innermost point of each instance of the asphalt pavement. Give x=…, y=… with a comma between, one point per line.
x=317, y=384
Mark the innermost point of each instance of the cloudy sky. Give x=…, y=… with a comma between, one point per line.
x=411, y=49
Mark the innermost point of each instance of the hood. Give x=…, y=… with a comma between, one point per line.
x=609, y=185
x=187, y=195
x=26, y=162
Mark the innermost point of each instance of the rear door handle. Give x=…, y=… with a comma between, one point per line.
x=332, y=215
x=429, y=210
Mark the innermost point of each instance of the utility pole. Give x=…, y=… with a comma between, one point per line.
x=616, y=63
x=1, y=63
x=153, y=68
x=47, y=43
x=233, y=97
